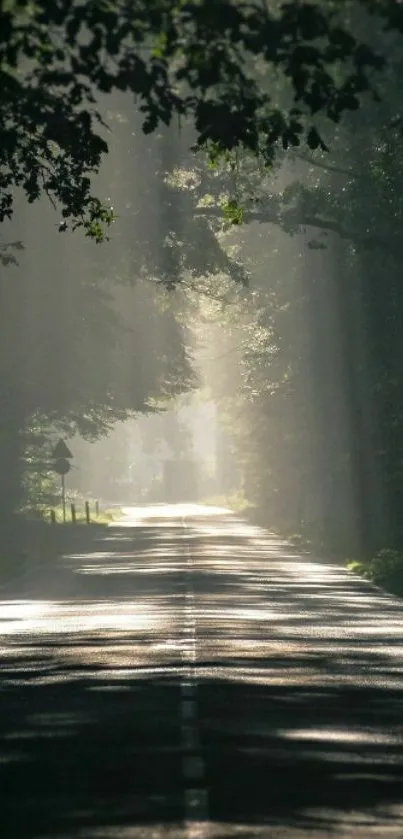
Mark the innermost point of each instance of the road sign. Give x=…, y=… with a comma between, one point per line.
x=61, y=466
x=61, y=451
x=61, y=455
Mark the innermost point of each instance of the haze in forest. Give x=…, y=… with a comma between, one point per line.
x=238, y=337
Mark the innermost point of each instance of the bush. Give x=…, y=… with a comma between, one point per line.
x=385, y=570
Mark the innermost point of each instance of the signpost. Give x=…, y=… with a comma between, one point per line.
x=61, y=455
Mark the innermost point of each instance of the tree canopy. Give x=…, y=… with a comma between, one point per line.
x=318, y=424
x=213, y=64
x=296, y=110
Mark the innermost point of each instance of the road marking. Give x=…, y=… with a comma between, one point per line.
x=188, y=688
x=193, y=771
x=189, y=655
x=196, y=810
x=190, y=738
x=189, y=710
x=193, y=767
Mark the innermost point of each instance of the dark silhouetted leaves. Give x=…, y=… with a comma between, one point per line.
x=190, y=59
x=314, y=140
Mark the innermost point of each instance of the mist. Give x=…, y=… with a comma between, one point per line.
x=201, y=427
x=190, y=357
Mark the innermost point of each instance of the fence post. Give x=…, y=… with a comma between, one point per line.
x=87, y=512
x=73, y=513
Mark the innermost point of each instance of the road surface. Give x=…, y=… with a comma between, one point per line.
x=188, y=675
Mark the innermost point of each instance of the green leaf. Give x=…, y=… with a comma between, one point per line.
x=233, y=212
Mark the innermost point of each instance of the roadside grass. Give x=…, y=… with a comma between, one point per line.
x=32, y=541
x=235, y=502
x=385, y=570
x=104, y=516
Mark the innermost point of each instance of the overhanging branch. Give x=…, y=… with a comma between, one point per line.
x=271, y=216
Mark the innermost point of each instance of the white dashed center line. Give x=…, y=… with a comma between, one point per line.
x=193, y=773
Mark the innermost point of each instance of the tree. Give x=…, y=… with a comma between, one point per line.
x=212, y=64
x=319, y=427
x=79, y=350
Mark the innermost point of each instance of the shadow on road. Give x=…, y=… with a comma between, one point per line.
x=83, y=752
x=300, y=757
x=300, y=693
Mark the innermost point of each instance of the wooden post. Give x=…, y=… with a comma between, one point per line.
x=73, y=513
x=53, y=516
x=87, y=512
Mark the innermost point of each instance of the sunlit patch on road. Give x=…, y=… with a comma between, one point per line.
x=341, y=735
x=170, y=512
x=31, y=617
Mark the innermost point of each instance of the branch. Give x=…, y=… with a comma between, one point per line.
x=271, y=216
x=328, y=167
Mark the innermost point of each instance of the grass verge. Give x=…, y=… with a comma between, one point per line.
x=29, y=543
x=385, y=570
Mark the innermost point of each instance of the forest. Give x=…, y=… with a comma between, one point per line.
x=220, y=180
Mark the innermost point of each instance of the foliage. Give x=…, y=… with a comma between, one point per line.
x=7, y=252
x=316, y=420
x=308, y=373
x=384, y=570
x=209, y=63
x=39, y=484
x=79, y=351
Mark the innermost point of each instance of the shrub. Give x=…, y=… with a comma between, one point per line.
x=385, y=570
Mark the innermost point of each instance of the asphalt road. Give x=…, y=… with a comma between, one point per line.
x=188, y=675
